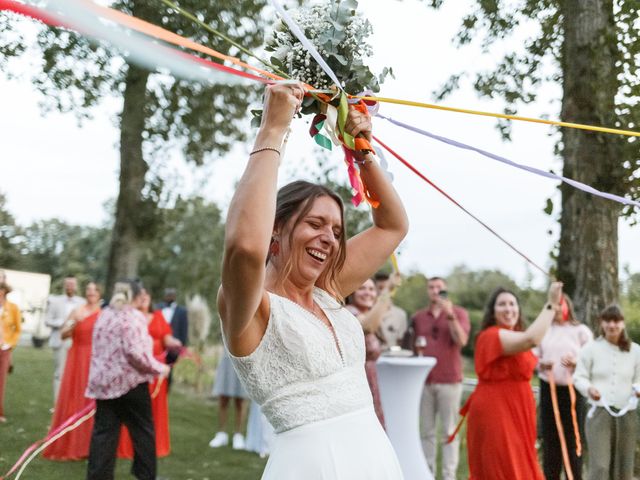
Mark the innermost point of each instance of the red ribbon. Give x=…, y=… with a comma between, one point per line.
x=32, y=12
x=69, y=421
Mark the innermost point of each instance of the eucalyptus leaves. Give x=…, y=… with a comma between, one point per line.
x=340, y=35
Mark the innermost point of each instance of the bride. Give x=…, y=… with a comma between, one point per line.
x=287, y=268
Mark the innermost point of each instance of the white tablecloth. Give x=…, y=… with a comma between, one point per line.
x=401, y=381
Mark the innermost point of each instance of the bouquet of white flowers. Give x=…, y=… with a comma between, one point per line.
x=340, y=35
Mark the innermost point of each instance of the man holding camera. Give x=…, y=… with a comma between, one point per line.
x=445, y=327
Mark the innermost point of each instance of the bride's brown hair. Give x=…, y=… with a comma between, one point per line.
x=296, y=199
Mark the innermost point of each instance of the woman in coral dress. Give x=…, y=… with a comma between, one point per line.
x=501, y=430
x=163, y=339
x=75, y=444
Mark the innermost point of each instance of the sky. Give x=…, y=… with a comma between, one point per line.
x=53, y=167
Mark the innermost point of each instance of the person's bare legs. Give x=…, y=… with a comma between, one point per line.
x=223, y=413
x=239, y=419
x=238, y=439
x=222, y=437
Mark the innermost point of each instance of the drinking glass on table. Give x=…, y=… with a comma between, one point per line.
x=421, y=342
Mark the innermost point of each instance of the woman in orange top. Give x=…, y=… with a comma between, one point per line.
x=75, y=444
x=163, y=339
x=501, y=430
x=10, y=319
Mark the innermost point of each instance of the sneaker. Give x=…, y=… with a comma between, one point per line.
x=220, y=440
x=238, y=441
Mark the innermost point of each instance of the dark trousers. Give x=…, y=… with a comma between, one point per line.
x=552, y=452
x=134, y=410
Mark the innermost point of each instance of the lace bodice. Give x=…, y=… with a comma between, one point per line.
x=297, y=373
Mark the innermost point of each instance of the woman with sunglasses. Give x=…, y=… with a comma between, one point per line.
x=608, y=373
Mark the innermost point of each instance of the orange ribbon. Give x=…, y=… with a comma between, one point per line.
x=559, y=427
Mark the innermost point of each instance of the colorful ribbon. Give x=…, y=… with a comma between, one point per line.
x=160, y=33
x=74, y=14
x=456, y=203
x=559, y=428
x=62, y=429
x=316, y=127
x=536, y=171
x=580, y=126
x=632, y=404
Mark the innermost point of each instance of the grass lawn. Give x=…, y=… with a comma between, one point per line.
x=193, y=421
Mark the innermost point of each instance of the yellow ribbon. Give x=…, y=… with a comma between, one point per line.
x=394, y=262
x=579, y=126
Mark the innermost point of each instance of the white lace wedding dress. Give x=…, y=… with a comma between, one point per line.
x=313, y=389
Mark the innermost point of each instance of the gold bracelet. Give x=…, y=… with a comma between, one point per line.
x=265, y=149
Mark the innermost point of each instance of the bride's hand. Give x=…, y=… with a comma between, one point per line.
x=358, y=123
x=281, y=102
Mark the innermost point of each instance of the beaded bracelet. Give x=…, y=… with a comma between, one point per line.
x=265, y=149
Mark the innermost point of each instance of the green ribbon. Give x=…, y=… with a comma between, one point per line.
x=343, y=110
x=323, y=141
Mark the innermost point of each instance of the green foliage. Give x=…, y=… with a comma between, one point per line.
x=59, y=249
x=630, y=303
x=633, y=288
x=9, y=232
x=411, y=295
x=340, y=34
x=186, y=253
x=472, y=289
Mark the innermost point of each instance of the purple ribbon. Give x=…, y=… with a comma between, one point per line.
x=574, y=183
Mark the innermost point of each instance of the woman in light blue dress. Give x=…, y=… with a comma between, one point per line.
x=227, y=388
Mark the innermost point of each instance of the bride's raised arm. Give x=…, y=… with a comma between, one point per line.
x=367, y=251
x=250, y=224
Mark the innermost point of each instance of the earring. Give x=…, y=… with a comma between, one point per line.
x=274, y=248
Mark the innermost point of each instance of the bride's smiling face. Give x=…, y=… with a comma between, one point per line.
x=315, y=240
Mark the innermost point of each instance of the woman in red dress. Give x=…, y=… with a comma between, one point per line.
x=75, y=444
x=501, y=429
x=160, y=332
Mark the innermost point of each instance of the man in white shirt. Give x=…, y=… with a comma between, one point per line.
x=58, y=309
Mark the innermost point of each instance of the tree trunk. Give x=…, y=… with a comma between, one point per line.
x=588, y=256
x=124, y=252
